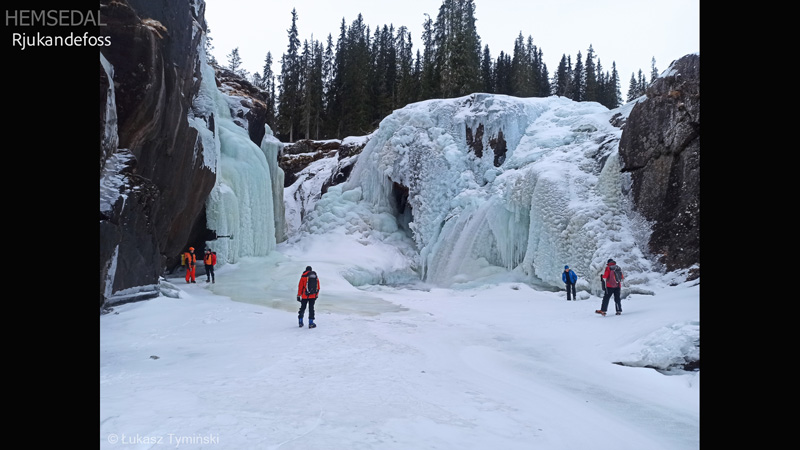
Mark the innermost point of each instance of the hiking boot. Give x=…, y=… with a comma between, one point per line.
x=301, y=324
x=619, y=312
x=603, y=313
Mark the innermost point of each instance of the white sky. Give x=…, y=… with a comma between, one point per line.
x=628, y=32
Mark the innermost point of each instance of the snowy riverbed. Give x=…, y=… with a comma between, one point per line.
x=225, y=366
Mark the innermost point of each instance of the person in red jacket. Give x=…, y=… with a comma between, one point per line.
x=307, y=293
x=190, y=260
x=612, y=283
x=210, y=260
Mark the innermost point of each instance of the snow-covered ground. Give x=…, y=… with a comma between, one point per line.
x=502, y=365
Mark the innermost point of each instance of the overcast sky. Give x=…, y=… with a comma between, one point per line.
x=628, y=32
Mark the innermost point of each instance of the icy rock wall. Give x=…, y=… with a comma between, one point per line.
x=556, y=197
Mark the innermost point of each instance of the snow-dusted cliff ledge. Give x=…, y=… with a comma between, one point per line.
x=489, y=184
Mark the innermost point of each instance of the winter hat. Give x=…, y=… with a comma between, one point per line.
x=566, y=267
x=611, y=260
x=308, y=268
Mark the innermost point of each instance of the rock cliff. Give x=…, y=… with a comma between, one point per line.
x=150, y=157
x=660, y=147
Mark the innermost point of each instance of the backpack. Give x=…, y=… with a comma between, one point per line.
x=618, y=274
x=312, y=286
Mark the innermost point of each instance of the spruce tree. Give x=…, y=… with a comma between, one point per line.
x=441, y=59
x=389, y=71
x=642, y=83
x=306, y=83
x=653, y=70
x=615, y=97
x=560, y=78
x=234, y=60
x=317, y=89
x=268, y=84
x=569, y=90
x=429, y=75
x=334, y=104
x=256, y=80
x=458, y=49
x=312, y=89
x=327, y=86
x=382, y=74
x=289, y=101
x=405, y=68
x=417, y=77
x=544, y=76
x=354, y=95
x=470, y=72
x=267, y=72
x=486, y=71
x=209, y=47
x=602, y=79
x=502, y=74
x=633, y=89
x=591, y=93
x=578, y=83
x=521, y=82
x=534, y=68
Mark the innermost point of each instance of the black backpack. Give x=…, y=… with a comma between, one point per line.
x=312, y=285
x=618, y=274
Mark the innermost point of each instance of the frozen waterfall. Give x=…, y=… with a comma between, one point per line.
x=484, y=185
x=245, y=207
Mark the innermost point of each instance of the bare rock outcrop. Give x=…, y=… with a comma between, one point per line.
x=156, y=182
x=660, y=147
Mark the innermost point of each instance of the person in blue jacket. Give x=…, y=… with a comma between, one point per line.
x=569, y=278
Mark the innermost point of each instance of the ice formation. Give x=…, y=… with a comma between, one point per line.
x=490, y=184
x=245, y=207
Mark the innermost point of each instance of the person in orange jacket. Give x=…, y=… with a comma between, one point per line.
x=210, y=260
x=307, y=293
x=191, y=261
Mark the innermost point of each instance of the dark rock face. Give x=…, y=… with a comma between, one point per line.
x=496, y=143
x=253, y=115
x=660, y=147
x=475, y=144
x=156, y=67
x=297, y=156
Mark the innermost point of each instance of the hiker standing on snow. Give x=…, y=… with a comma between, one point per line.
x=210, y=260
x=307, y=292
x=569, y=277
x=612, y=283
x=191, y=262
